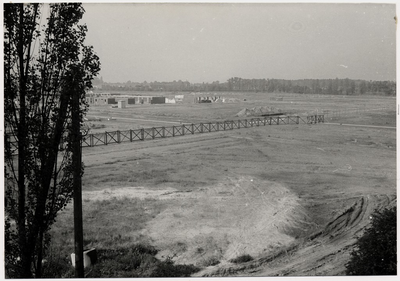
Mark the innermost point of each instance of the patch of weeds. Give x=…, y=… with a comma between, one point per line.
x=180, y=247
x=133, y=261
x=167, y=268
x=211, y=261
x=199, y=250
x=137, y=261
x=103, y=228
x=241, y=259
x=154, y=176
x=55, y=264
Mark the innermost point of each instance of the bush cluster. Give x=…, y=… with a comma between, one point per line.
x=375, y=252
x=137, y=261
x=241, y=259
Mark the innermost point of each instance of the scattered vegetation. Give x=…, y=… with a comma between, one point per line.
x=211, y=261
x=136, y=261
x=375, y=252
x=122, y=250
x=242, y=259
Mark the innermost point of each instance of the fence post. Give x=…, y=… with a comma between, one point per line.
x=118, y=137
x=173, y=131
x=270, y=120
x=91, y=140
x=217, y=123
x=130, y=135
x=152, y=133
x=201, y=127
x=288, y=120
x=277, y=120
x=105, y=138
x=183, y=129
x=192, y=129
x=142, y=134
x=163, y=132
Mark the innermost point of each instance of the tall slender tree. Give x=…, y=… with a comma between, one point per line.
x=45, y=66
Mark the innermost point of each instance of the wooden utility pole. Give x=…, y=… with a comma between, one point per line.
x=77, y=182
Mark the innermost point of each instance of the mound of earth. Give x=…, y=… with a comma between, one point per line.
x=215, y=224
x=258, y=111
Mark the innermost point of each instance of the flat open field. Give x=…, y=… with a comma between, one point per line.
x=294, y=197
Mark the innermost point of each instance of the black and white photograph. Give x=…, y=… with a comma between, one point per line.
x=199, y=140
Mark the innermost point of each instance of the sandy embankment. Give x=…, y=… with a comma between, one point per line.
x=217, y=223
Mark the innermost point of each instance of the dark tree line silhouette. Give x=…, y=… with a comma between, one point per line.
x=237, y=84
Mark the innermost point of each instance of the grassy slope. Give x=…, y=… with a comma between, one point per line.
x=314, y=168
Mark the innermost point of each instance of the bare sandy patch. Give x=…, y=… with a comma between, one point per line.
x=238, y=216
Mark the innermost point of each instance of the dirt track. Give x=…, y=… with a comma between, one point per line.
x=294, y=197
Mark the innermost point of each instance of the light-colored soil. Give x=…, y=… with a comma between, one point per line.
x=294, y=197
x=235, y=217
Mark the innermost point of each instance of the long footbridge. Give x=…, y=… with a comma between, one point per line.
x=115, y=137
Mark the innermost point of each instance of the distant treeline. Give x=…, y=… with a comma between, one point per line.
x=236, y=84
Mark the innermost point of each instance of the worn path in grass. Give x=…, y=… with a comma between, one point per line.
x=294, y=197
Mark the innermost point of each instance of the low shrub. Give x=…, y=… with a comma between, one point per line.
x=242, y=259
x=167, y=268
x=211, y=261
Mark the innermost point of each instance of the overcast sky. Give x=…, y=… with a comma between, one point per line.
x=210, y=42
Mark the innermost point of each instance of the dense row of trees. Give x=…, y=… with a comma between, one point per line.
x=306, y=86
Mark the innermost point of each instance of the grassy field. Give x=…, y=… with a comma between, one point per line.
x=262, y=201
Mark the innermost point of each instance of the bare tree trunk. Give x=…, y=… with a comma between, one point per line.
x=77, y=164
x=39, y=251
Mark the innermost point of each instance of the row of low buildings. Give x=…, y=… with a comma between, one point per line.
x=104, y=99
x=112, y=99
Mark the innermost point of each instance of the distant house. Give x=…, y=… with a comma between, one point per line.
x=170, y=100
x=157, y=100
x=121, y=104
x=111, y=101
x=179, y=98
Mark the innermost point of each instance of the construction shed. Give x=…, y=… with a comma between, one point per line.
x=111, y=101
x=179, y=98
x=121, y=104
x=170, y=100
x=142, y=99
x=131, y=100
x=157, y=100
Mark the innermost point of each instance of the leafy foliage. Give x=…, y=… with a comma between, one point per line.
x=375, y=252
x=44, y=67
